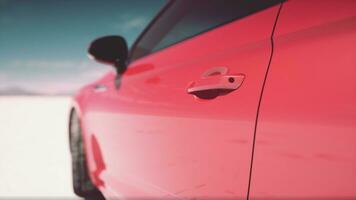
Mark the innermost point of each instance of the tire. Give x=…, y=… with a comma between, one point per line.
x=82, y=185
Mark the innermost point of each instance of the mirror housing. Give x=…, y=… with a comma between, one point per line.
x=110, y=50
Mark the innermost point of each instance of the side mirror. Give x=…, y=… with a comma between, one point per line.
x=110, y=50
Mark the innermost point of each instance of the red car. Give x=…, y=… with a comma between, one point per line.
x=223, y=99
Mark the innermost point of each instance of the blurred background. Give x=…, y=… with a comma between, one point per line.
x=43, y=61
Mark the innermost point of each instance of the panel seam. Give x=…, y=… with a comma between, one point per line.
x=260, y=101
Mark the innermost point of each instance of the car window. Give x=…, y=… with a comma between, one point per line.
x=183, y=19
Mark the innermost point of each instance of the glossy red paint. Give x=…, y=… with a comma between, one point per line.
x=150, y=138
x=305, y=142
x=158, y=141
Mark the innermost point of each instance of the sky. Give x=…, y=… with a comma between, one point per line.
x=43, y=43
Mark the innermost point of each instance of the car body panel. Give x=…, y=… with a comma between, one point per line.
x=305, y=142
x=155, y=140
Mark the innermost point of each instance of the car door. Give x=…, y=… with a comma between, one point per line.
x=180, y=123
x=305, y=141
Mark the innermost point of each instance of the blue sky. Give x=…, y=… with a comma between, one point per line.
x=43, y=42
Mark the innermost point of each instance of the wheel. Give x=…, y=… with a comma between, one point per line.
x=82, y=184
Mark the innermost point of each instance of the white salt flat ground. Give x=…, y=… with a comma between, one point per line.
x=34, y=155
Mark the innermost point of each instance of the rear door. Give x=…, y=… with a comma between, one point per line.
x=306, y=135
x=181, y=122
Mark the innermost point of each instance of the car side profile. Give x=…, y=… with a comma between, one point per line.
x=223, y=99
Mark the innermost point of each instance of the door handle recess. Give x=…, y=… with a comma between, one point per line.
x=215, y=84
x=100, y=88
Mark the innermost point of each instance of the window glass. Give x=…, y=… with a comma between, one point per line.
x=183, y=19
